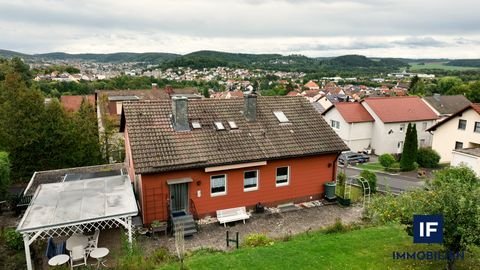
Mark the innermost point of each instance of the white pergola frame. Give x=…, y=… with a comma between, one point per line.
x=68, y=229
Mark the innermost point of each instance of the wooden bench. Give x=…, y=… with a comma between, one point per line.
x=232, y=214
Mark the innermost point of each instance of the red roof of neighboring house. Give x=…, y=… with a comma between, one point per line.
x=72, y=103
x=312, y=84
x=353, y=112
x=293, y=94
x=400, y=109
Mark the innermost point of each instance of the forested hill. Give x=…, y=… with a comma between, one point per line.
x=209, y=59
x=464, y=63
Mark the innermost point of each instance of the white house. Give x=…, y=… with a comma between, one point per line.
x=352, y=123
x=392, y=116
x=469, y=157
x=460, y=130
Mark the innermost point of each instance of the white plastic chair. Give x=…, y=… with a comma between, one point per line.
x=92, y=242
x=77, y=254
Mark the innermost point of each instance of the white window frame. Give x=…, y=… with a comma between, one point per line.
x=250, y=188
x=335, y=124
x=288, y=177
x=218, y=193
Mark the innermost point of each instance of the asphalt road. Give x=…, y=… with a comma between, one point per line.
x=393, y=183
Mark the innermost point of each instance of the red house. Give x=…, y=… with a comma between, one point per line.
x=199, y=156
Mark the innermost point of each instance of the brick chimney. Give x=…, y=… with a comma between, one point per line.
x=250, y=106
x=169, y=89
x=180, y=114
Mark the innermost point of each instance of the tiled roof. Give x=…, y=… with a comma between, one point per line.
x=353, y=112
x=72, y=103
x=400, y=109
x=473, y=106
x=311, y=84
x=447, y=104
x=157, y=147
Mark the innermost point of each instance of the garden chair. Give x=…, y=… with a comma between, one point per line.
x=78, y=255
x=92, y=242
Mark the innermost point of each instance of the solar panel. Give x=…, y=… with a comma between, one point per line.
x=281, y=117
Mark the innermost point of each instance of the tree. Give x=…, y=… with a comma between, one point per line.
x=409, y=154
x=453, y=193
x=4, y=174
x=447, y=83
x=206, y=94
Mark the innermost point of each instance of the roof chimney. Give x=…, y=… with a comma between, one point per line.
x=250, y=106
x=169, y=89
x=154, y=86
x=180, y=113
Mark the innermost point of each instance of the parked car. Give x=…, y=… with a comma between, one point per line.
x=352, y=158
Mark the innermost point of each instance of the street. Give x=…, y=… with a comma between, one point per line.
x=387, y=182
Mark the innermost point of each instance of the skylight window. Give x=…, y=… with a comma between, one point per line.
x=196, y=124
x=281, y=117
x=232, y=125
x=219, y=126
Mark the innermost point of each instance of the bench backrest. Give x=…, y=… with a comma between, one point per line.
x=231, y=212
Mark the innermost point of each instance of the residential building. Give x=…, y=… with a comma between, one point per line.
x=444, y=106
x=199, y=156
x=392, y=116
x=469, y=157
x=73, y=103
x=311, y=85
x=353, y=124
x=459, y=130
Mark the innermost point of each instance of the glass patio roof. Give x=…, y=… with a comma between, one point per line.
x=73, y=202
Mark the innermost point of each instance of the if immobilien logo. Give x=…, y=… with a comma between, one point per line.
x=428, y=229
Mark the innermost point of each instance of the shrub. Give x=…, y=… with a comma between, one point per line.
x=13, y=239
x=395, y=167
x=257, y=240
x=371, y=178
x=428, y=158
x=339, y=189
x=336, y=227
x=161, y=256
x=386, y=160
x=4, y=175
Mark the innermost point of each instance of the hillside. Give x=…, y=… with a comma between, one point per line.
x=464, y=63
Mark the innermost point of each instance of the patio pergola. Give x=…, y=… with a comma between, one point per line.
x=65, y=208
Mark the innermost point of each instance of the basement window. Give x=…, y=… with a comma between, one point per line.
x=196, y=124
x=232, y=125
x=281, y=117
x=219, y=126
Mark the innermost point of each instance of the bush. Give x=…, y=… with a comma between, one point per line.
x=337, y=227
x=428, y=158
x=371, y=178
x=395, y=168
x=13, y=239
x=386, y=160
x=161, y=256
x=339, y=189
x=4, y=175
x=257, y=240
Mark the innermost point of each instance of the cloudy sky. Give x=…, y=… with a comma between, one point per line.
x=396, y=28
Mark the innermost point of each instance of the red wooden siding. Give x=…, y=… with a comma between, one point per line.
x=307, y=176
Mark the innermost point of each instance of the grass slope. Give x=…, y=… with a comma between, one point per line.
x=369, y=248
x=437, y=65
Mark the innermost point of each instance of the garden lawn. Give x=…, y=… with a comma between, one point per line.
x=373, y=166
x=369, y=248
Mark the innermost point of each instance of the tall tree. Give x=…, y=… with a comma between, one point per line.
x=4, y=174
x=409, y=149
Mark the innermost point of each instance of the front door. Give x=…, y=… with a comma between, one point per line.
x=179, y=198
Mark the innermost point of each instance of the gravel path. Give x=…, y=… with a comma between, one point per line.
x=275, y=225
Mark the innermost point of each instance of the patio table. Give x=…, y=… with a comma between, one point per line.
x=59, y=260
x=99, y=254
x=77, y=240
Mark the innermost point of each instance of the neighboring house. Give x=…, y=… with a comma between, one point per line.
x=199, y=156
x=311, y=85
x=444, y=106
x=353, y=124
x=73, y=103
x=460, y=130
x=469, y=157
x=392, y=116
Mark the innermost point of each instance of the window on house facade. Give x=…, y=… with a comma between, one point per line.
x=462, y=124
x=218, y=185
x=477, y=127
x=422, y=142
x=458, y=145
x=400, y=145
x=402, y=127
x=250, y=180
x=335, y=124
x=282, y=177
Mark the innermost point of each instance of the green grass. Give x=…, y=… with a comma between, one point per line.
x=436, y=65
x=369, y=248
x=373, y=166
